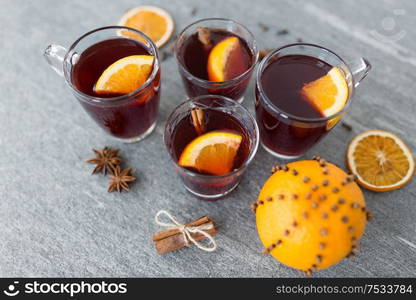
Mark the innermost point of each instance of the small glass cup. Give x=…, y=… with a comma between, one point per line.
x=287, y=136
x=233, y=88
x=227, y=111
x=129, y=118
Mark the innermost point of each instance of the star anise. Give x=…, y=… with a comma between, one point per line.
x=119, y=180
x=105, y=160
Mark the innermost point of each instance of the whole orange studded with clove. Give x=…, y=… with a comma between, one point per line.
x=310, y=214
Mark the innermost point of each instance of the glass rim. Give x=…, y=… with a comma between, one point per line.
x=112, y=100
x=225, y=82
x=253, y=149
x=287, y=115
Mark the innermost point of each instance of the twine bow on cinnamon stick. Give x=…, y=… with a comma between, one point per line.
x=179, y=235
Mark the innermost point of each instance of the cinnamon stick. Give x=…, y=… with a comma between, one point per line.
x=173, y=239
x=204, y=35
x=198, y=120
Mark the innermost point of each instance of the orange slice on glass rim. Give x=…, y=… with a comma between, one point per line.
x=213, y=153
x=327, y=94
x=221, y=56
x=125, y=75
x=381, y=160
x=153, y=21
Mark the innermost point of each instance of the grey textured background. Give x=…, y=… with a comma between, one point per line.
x=57, y=220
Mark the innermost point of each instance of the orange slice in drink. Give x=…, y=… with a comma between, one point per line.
x=125, y=75
x=327, y=94
x=225, y=53
x=381, y=160
x=212, y=152
x=153, y=21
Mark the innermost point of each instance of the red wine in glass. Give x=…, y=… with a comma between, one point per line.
x=289, y=132
x=193, y=49
x=132, y=117
x=214, y=120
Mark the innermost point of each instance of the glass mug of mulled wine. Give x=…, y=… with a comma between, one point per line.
x=211, y=140
x=114, y=73
x=216, y=56
x=302, y=91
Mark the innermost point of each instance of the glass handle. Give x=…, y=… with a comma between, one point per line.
x=359, y=70
x=54, y=55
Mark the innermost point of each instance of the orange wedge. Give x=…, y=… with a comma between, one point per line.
x=153, y=21
x=125, y=75
x=212, y=152
x=226, y=52
x=381, y=160
x=328, y=93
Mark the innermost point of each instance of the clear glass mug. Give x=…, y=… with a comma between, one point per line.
x=203, y=186
x=128, y=118
x=233, y=88
x=287, y=136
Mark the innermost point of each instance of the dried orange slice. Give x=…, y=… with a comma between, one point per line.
x=125, y=75
x=212, y=152
x=328, y=93
x=153, y=21
x=381, y=160
x=219, y=58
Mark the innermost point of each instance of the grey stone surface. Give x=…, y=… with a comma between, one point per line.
x=57, y=220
